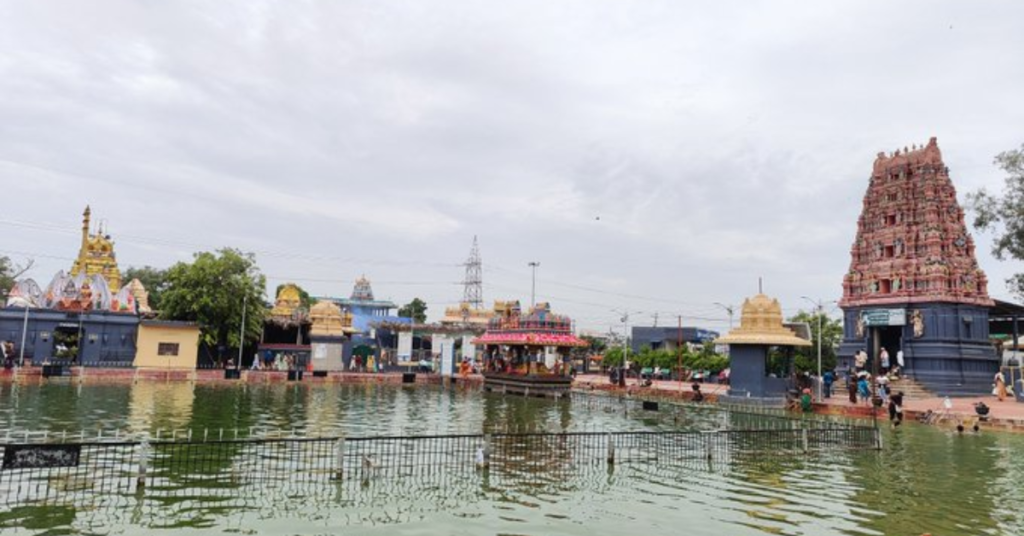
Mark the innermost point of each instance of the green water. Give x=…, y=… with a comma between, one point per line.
x=925, y=480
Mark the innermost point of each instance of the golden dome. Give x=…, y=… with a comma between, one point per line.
x=329, y=321
x=288, y=300
x=761, y=323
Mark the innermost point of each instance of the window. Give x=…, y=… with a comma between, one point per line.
x=167, y=348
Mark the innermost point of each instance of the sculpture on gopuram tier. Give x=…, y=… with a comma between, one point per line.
x=912, y=245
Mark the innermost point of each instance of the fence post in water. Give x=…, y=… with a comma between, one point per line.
x=487, y=450
x=611, y=449
x=878, y=439
x=706, y=437
x=804, y=438
x=143, y=462
x=339, y=454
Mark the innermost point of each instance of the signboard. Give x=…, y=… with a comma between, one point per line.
x=884, y=317
x=445, y=346
x=319, y=351
x=468, y=348
x=404, y=346
x=41, y=456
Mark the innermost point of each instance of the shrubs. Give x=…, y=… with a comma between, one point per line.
x=703, y=359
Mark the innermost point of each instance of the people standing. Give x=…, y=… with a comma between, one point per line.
x=826, y=380
x=1000, y=381
x=851, y=386
x=882, y=381
x=860, y=359
x=883, y=357
x=863, y=387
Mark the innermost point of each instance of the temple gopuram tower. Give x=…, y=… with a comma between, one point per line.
x=96, y=255
x=914, y=284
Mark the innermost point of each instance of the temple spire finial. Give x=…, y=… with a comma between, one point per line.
x=85, y=225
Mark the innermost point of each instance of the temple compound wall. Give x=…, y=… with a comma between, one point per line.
x=914, y=285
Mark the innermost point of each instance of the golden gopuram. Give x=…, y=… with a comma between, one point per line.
x=96, y=255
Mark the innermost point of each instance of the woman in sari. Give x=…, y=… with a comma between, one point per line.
x=1000, y=386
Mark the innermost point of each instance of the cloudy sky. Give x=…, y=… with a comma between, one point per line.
x=653, y=156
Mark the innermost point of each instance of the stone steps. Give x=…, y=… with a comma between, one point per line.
x=912, y=390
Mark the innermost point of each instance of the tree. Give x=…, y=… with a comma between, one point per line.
x=306, y=301
x=416, y=310
x=1004, y=214
x=595, y=345
x=10, y=273
x=211, y=291
x=613, y=357
x=805, y=358
x=154, y=279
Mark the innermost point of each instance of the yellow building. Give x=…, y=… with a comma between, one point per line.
x=172, y=345
x=96, y=255
x=467, y=316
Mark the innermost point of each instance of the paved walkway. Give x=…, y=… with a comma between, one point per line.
x=1008, y=412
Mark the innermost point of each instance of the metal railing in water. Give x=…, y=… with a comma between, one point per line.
x=35, y=471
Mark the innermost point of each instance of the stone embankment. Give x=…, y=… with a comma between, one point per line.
x=87, y=375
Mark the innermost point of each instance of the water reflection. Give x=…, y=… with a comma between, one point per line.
x=926, y=480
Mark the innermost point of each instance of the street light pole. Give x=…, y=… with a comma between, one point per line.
x=24, y=333
x=241, y=333
x=821, y=312
x=729, y=310
x=625, y=348
x=533, y=283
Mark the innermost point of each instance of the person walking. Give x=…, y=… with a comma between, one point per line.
x=1000, y=381
x=896, y=409
x=826, y=380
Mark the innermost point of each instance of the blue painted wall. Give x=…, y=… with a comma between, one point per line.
x=748, y=381
x=106, y=337
x=952, y=357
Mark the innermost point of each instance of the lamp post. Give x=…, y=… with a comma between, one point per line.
x=533, y=283
x=819, y=305
x=820, y=313
x=24, y=334
x=625, y=344
x=241, y=333
x=729, y=309
x=625, y=348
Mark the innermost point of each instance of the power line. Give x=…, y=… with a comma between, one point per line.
x=133, y=239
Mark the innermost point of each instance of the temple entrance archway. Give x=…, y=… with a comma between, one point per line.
x=888, y=337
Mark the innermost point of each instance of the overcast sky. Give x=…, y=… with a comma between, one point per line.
x=652, y=156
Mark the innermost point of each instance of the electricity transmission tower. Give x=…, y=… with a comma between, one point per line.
x=474, y=282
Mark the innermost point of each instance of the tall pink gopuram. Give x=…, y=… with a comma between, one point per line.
x=914, y=284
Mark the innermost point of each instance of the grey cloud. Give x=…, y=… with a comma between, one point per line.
x=670, y=150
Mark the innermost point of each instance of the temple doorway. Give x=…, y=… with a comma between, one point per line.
x=890, y=338
x=65, y=343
